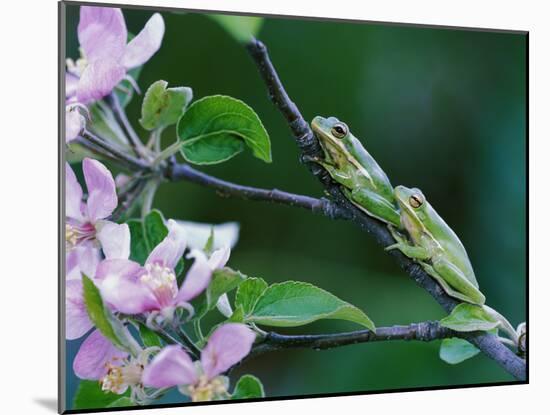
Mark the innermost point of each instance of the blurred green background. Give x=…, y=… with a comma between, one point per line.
x=440, y=109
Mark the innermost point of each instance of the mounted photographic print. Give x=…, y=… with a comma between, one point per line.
x=277, y=207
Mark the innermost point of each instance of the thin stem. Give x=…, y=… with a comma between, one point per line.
x=186, y=340
x=148, y=196
x=121, y=117
x=103, y=153
x=198, y=329
x=128, y=200
x=137, y=164
x=166, y=153
x=310, y=149
x=169, y=337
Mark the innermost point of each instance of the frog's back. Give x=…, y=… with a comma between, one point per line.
x=451, y=244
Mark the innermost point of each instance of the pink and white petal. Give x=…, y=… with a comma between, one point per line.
x=219, y=257
x=102, y=198
x=102, y=32
x=145, y=44
x=77, y=322
x=98, y=80
x=95, y=353
x=171, y=249
x=114, y=239
x=71, y=84
x=74, y=123
x=121, y=287
x=171, y=367
x=198, y=233
x=116, y=266
x=82, y=259
x=197, y=279
x=227, y=346
x=72, y=269
x=73, y=195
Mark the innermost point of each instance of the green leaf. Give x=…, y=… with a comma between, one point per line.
x=163, y=106
x=149, y=337
x=146, y=234
x=248, y=387
x=237, y=316
x=209, y=246
x=139, y=249
x=216, y=128
x=469, y=317
x=102, y=317
x=248, y=294
x=223, y=281
x=292, y=303
x=90, y=396
x=242, y=28
x=154, y=228
x=121, y=402
x=454, y=350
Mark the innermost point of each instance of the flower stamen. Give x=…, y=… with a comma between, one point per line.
x=119, y=378
x=162, y=282
x=208, y=390
x=75, y=235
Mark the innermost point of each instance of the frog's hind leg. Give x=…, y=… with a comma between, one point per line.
x=455, y=278
x=446, y=287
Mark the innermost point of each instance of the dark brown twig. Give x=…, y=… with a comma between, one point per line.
x=424, y=331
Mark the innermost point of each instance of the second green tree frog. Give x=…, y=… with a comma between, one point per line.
x=363, y=181
x=436, y=246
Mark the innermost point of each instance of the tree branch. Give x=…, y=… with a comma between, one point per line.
x=425, y=331
x=109, y=148
x=322, y=206
x=309, y=147
x=103, y=153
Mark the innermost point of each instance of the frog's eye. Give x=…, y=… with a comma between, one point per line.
x=339, y=130
x=416, y=200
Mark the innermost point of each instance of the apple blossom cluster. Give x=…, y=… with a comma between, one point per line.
x=153, y=296
x=106, y=57
x=99, y=248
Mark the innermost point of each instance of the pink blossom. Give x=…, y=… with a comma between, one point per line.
x=133, y=289
x=85, y=224
x=86, y=232
x=106, y=55
x=98, y=359
x=228, y=345
x=74, y=122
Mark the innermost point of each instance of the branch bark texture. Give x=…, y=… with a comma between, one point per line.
x=425, y=331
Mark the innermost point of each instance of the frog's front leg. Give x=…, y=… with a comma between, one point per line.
x=376, y=205
x=412, y=251
x=455, y=278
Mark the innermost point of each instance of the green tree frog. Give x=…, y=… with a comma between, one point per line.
x=362, y=180
x=435, y=246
